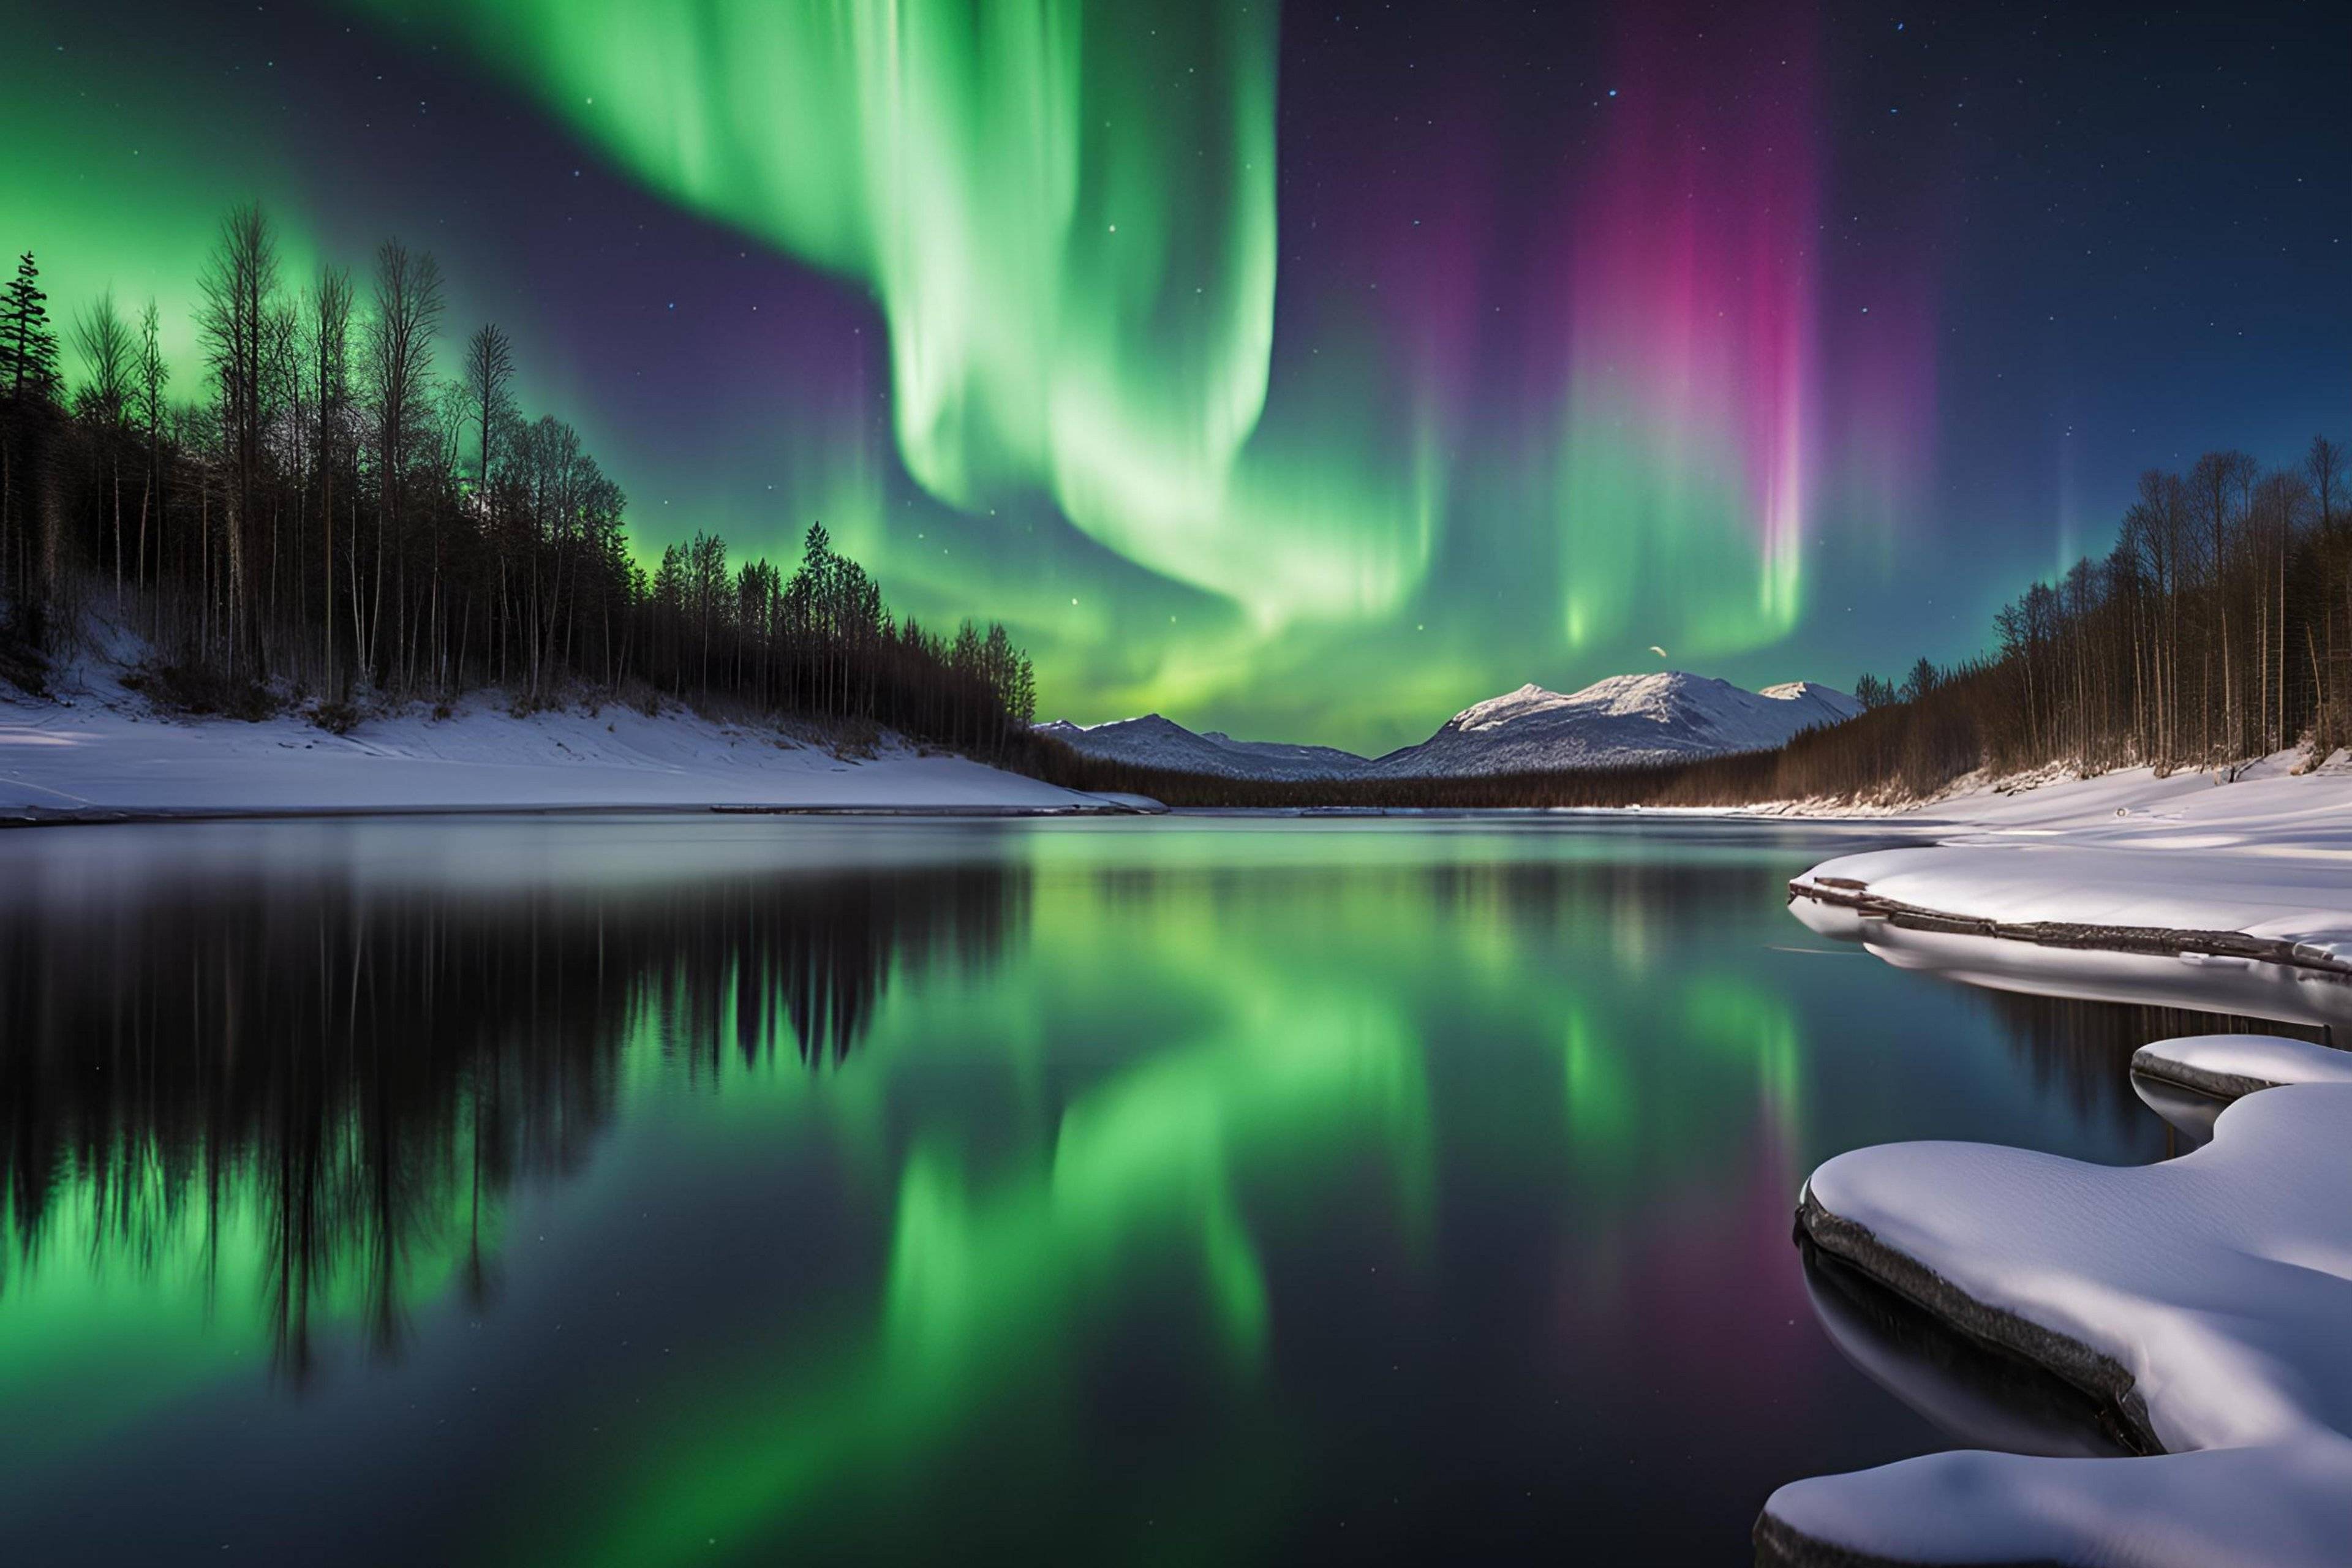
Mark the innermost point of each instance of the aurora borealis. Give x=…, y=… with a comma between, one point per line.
x=1298, y=372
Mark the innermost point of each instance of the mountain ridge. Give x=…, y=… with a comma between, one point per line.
x=1623, y=719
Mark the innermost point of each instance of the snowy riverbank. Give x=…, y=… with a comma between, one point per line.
x=103, y=753
x=2181, y=891
x=2202, y=1300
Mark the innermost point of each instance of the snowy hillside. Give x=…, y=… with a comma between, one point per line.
x=1153, y=742
x=1625, y=719
x=103, y=751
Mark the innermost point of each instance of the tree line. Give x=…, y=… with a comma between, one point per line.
x=2217, y=629
x=331, y=517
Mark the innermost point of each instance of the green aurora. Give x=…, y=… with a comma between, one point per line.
x=1093, y=424
x=1290, y=374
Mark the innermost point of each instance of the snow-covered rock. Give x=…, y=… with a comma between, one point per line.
x=2206, y=1297
x=1154, y=742
x=1625, y=719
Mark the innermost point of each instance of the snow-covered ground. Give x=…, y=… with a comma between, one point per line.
x=2184, y=891
x=101, y=750
x=2206, y=1297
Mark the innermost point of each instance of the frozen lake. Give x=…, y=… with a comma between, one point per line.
x=638, y=1190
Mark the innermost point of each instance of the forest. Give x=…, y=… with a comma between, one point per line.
x=333, y=520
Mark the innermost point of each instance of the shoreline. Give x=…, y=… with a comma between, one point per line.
x=103, y=754
x=101, y=817
x=2166, y=942
x=2155, y=1290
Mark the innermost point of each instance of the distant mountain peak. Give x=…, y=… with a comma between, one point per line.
x=1660, y=716
x=1154, y=740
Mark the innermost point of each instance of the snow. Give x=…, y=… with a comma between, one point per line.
x=2127, y=887
x=1624, y=718
x=2214, y=1288
x=2242, y=1064
x=2208, y=1294
x=104, y=754
x=1154, y=742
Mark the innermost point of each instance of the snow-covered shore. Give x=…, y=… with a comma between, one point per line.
x=2181, y=890
x=2271, y=793
x=104, y=755
x=2204, y=1299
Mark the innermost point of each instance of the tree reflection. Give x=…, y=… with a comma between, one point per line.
x=2083, y=1049
x=331, y=1088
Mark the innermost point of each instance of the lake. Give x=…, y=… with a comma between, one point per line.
x=741, y=1189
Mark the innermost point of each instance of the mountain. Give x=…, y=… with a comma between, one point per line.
x=1625, y=719
x=1153, y=742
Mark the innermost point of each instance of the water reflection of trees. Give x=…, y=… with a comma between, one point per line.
x=2084, y=1049
x=336, y=1086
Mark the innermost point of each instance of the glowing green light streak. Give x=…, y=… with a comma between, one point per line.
x=1066, y=213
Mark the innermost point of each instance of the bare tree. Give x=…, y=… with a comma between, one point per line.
x=2323, y=468
x=154, y=372
x=489, y=400
x=238, y=286
x=407, y=309
x=103, y=338
x=330, y=370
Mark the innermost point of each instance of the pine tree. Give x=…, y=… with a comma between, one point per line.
x=29, y=344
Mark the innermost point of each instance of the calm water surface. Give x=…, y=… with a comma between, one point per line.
x=657, y=1190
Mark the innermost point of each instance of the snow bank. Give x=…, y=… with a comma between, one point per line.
x=2229, y=1066
x=2241, y=894
x=2205, y=1297
x=100, y=757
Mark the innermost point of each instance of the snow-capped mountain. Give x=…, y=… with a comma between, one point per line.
x=1625, y=719
x=1153, y=742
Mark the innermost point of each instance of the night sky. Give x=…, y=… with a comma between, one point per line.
x=1309, y=372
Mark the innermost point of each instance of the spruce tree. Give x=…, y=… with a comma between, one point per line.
x=29, y=344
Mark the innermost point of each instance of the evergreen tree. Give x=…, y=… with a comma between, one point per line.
x=29, y=344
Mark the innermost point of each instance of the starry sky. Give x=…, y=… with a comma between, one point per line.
x=1306, y=372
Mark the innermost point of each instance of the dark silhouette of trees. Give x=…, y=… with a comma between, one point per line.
x=329, y=357
x=398, y=381
x=489, y=401
x=237, y=322
x=29, y=344
x=103, y=401
x=332, y=521
x=28, y=502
